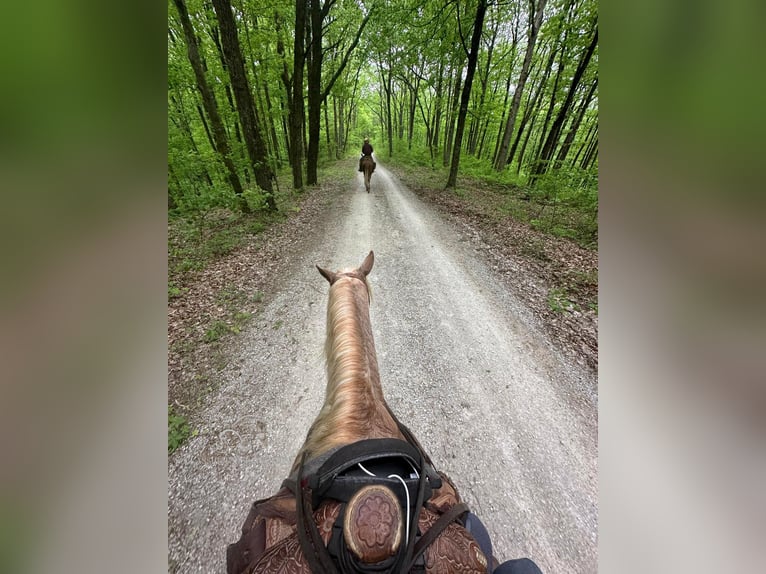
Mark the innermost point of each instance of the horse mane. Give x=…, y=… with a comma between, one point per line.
x=354, y=408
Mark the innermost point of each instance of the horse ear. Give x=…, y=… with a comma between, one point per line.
x=329, y=275
x=366, y=266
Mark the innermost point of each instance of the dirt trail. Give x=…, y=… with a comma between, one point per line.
x=462, y=363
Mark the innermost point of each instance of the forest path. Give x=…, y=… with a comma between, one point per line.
x=463, y=363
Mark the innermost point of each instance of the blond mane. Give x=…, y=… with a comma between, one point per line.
x=354, y=408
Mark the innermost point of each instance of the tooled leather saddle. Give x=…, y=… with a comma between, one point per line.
x=375, y=506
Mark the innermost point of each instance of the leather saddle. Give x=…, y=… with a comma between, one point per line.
x=374, y=506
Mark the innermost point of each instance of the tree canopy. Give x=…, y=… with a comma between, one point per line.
x=256, y=87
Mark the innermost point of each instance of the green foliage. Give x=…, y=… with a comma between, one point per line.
x=255, y=199
x=174, y=291
x=223, y=242
x=255, y=227
x=558, y=301
x=196, y=240
x=240, y=319
x=178, y=430
x=567, y=204
x=217, y=330
x=563, y=202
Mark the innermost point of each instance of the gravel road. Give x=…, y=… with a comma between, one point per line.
x=462, y=363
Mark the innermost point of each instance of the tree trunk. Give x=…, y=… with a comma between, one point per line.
x=590, y=157
x=316, y=95
x=297, y=117
x=473, y=56
x=449, y=129
x=185, y=127
x=531, y=111
x=336, y=111
x=536, y=19
x=256, y=148
x=292, y=124
x=584, y=144
x=484, y=80
x=272, y=125
x=554, y=94
x=314, y=90
x=499, y=137
x=569, y=139
x=413, y=104
x=553, y=136
x=208, y=98
x=389, y=115
x=207, y=128
x=438, y=106
x=348, y=119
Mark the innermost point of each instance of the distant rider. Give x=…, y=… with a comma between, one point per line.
x=366, y=150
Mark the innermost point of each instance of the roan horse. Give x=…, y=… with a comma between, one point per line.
x=362, y=495
x=368, y=166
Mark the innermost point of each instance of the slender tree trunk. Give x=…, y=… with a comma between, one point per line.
x=499, y=137
x=569, y=139
x=400, y=118
x=327, y=127
x=485, y=126
x=450, y=129
x=240, y=148
x=272, y=125
x=208, y=98
x=584, y=144
x=185, y=127
x=297, y=118
x=484, y=80
x=466, y=96
x=351, y=108
x=256, y=148
x=389, y=114
x=590, y=157
x=314, y=90
x=207, y=128
x=553, y=136
x=554, y=94
x=413, y=104
x=531, y=109
x=335, y=127
x=536, y=19
x=527, y=137
x=318, y=11
x=438, y=106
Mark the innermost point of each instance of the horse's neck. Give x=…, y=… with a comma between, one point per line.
x=350, y=347
x=354, y=407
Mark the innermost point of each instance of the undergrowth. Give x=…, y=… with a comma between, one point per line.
x=563, y=203
x=178, y=430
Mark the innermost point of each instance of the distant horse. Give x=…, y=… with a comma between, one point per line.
x=368, y=166
x=362, y=495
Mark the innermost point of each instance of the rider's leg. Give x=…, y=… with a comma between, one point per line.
x=475, y=527
x=480, y=534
